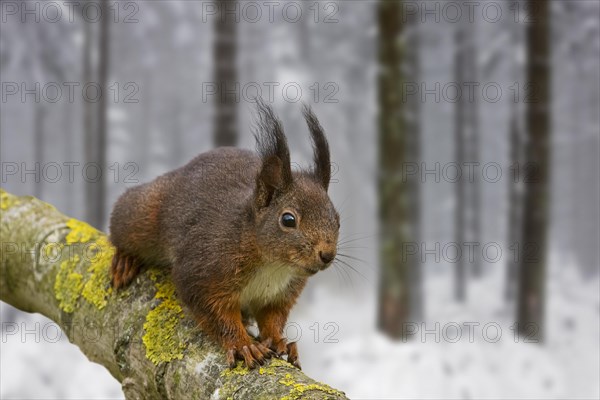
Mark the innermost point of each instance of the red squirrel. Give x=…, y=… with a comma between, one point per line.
x=241, y=233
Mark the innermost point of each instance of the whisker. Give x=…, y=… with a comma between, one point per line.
x=348, y=277
x=342, y=242
x=343, y=279
x=337, y=273
x=344, y=204
x=353, y=247
x=349, y=235
x=353, y=269
x=354, y=258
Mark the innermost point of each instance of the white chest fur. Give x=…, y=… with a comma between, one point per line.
x=269, y=282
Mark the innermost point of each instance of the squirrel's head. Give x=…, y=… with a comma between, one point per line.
x=296, y=222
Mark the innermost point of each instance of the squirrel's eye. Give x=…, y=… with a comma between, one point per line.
x=288, y=220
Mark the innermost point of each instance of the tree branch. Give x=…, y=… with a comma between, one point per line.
x=59, y=267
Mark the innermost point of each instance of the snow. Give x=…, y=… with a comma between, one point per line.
x=37, y=363
x=483, y=365
x=339, y=345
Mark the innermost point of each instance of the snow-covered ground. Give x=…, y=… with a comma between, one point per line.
x=484, y=361
x=339, y=346
x=37, y=363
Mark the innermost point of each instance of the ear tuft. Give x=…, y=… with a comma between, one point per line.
x=271, y=144
x=322, y=167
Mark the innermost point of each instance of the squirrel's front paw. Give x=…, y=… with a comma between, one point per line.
x=278, y=346
x=253, y=354
x=281, y=347
x=292, y=352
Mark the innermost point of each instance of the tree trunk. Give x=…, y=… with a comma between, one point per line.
x=96, y=118
x=515, y=215
x=59, y=267
x=412, y=136
x=398, y=228
x=225, y=67
x=515, y=189
x=532, y=251
x=466, y=130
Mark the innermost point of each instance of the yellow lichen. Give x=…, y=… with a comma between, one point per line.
x=95, y=286
x=239, y=370
x=161, y=326
x=80, y=232
x=7, y=200
x=270, y=369
x=287, y=380
x=298, y=389
x=68, y=284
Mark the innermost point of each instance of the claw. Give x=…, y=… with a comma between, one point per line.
x=248, y=359
x=123, y=269
x=292, y=351
x=258, y=356
x=267, y=342
x=266, y=351
x=231, y=357
x=252, y=354
x=278, y=348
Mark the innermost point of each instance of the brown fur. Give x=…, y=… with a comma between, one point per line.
x=217, y=223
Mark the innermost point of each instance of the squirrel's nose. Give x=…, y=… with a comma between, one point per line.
x=326, y=256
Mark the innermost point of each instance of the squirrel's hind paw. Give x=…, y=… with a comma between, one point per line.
x=123, y=269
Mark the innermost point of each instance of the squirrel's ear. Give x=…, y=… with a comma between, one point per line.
x=322, y=168
x=269, y=180
x=276, y=171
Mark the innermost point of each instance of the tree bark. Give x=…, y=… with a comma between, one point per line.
x=515, y=214
x=466, y=133
x=224, y=57
x=398, y=219
x=96, y=115
x=58, y=267
x=412, y=134
x=532, y=251
x=515, y=184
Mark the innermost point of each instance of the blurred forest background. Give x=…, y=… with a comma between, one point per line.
x=465, y=139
